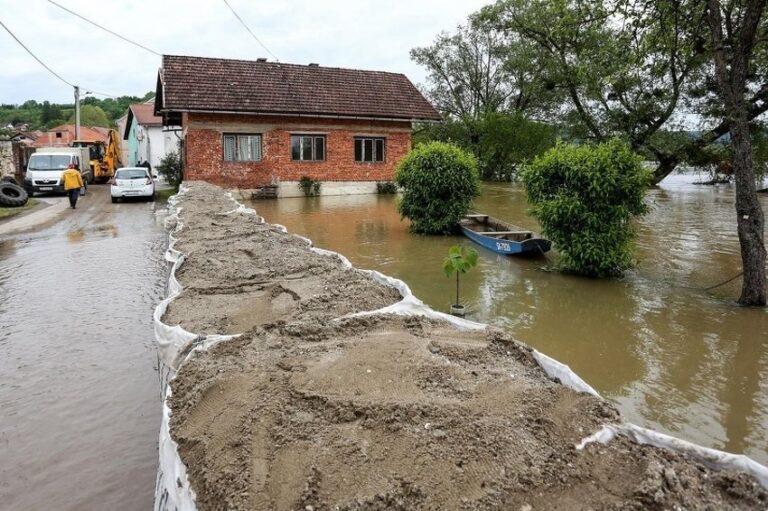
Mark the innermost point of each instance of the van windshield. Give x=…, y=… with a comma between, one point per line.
x=49, y=162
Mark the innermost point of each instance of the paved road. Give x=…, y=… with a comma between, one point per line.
x=79, y=393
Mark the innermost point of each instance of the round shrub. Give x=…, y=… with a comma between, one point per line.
x=585, y=198
x=439, y=181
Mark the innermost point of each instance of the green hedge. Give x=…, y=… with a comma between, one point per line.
x=439, y=181
x=585, y=198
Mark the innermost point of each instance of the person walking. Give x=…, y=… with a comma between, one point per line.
x=73, y=181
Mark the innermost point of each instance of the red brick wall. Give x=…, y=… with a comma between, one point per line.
x=204, y=149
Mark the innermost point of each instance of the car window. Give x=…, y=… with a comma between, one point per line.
x=131, y=174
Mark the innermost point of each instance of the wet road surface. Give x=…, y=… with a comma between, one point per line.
x=79, y=393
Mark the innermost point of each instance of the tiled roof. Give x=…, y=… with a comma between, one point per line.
x=145, y=114
x=48, y=138
x=223, y=85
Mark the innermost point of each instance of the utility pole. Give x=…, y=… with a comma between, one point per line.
x=77, y=112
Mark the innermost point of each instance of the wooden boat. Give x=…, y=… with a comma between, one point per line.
x=502, y=237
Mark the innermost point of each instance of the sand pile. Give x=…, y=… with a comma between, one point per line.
x=383, y=412
x=239, y=273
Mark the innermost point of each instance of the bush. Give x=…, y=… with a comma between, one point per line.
x=171, y=168
x=585, y=198
x=439, y=181
x=501, y=142
x=309, y=186
x=386, y=187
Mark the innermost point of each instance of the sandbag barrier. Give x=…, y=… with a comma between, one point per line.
x=175, y=345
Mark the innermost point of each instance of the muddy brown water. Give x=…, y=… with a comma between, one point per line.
x=671, y=355
x=79, y=393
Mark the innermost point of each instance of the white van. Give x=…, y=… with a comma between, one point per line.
x=47, y=164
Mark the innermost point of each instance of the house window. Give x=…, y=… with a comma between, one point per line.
x=369, y=149
x=242, y=147
x=308, y=147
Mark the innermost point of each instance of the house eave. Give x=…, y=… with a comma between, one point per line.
x=303, y=115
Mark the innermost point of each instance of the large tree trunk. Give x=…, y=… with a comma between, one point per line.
x=667, y=163
x=733, y=40
x=750, y=219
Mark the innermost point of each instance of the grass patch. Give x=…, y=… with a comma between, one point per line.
x=165, y=194
x=9, y=212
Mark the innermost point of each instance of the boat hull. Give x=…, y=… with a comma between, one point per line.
x=531, y=246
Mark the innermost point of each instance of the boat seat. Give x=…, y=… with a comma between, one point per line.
x=474, y=217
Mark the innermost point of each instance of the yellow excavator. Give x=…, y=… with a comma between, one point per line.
x=105, y=157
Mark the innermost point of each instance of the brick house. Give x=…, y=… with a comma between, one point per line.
x=247, y=124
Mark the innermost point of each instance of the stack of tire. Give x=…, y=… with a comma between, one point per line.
x=11, y=194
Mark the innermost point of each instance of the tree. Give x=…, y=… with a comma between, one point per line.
x=735, y=29
x=623, y=66
x=91, y=115
x=171, y=167
x=439, y=181
x=460, y=260
x=501, y=142
x=476, y=71
x=585, y=198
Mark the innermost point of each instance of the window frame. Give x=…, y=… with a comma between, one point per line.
x=313, y=147
x=237, y=152
x=373, y=142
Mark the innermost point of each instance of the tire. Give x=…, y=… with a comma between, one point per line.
x=114, y=200
x=12, y=196
x=9, y=179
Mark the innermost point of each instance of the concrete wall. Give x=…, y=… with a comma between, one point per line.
x=11, y=159
x=204, y=150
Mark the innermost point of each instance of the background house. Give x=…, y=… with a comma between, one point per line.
x=62, y=136
x=246, y=124
x=146, y=138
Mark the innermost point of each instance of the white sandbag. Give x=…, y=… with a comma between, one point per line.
x=712, y=458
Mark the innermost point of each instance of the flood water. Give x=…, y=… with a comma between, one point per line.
x=671, y=355
x=79, y=394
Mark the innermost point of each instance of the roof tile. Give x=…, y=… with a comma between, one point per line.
x=208, y=84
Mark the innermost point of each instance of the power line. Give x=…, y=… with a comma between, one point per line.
x=248, y=29
x=105, y=29
x=54, y=73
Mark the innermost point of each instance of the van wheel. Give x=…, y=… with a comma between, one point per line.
x=114, y=200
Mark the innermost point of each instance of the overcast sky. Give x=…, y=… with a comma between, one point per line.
x=362, y=34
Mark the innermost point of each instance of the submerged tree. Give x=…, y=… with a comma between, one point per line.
x=735, y=29
x=585, y=198
x=439, y=182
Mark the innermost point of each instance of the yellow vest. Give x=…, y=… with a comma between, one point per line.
x=72, y=179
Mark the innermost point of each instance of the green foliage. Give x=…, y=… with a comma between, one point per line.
x=46, y=115
x=309, y=186
x=91, y=115
x=439, y=181
x=501, y=142
x=585, y=198
x=459, y=260
x=171, y=167
x=386, y=187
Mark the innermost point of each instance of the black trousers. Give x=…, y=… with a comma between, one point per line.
x=73, y=196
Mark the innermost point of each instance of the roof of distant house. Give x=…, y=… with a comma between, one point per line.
x=49, y=137
x=145, y=114
x=197, y=84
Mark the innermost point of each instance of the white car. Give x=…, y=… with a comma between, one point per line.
x=132, y=182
